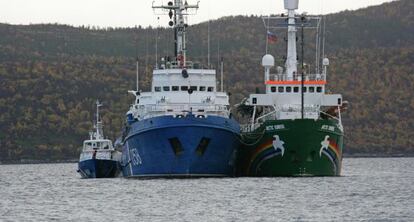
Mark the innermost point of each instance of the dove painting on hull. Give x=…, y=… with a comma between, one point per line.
x=301, y=148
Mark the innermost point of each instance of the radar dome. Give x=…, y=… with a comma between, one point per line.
x=325, y=62
x=291, y=4
x=268, y=61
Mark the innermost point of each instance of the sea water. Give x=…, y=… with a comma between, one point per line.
x=380, y=189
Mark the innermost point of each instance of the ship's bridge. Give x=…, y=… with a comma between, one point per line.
x=178, y=92
x=181, y=80
x=281, y=83
x=288, y=98
x=284, y=94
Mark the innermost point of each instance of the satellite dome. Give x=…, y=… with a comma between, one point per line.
x=325, y=62
x=268, y=61
x=291, y=4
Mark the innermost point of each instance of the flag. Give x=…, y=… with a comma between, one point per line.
x=271, y=37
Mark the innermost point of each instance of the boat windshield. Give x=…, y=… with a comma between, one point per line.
x=94, y=145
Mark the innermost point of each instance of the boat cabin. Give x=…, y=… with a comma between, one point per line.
x=97, y=145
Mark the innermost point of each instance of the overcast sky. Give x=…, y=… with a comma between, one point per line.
x=128, y=13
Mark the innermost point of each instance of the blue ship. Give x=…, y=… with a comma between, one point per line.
x=99, y=159
x=183, y=126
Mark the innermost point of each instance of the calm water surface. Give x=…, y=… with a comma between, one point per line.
x=369, y=190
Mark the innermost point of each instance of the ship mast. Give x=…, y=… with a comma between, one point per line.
x=177, y=12
x=98, y=126
x=291, y=60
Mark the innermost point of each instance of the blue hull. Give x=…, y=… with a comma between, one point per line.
x=181, y=147
x=95, y=168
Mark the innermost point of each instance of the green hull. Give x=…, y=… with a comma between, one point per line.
x=302, y=147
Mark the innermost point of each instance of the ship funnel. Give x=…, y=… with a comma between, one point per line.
x=291, y=4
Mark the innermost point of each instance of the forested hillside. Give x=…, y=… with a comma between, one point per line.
x=51, y=75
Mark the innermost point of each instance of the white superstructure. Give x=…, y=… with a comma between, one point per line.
x=97, y=147
x=179, y=86
x=293, y=93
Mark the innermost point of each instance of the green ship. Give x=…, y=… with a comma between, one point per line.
x=295, y=127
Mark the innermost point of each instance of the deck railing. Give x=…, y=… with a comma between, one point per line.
x=149, y=111
x=298, y=77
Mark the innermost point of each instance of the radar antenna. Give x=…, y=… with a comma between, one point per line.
x=177, y=11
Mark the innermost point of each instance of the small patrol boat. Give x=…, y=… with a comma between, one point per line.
x=99, y=159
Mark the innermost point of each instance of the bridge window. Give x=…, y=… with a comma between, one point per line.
x=273, y=89
x=166, y=88
x=304, y=89
x=311, y=89
x=194, y=88
x=202, y=88
x=295, y=89
x=210, y=89
x=319, y=89
x=184, y=88
x=281, y=89
x=288, y=89
x=175, y=88
x=157, y=89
